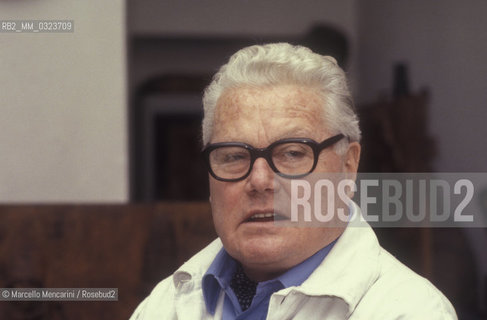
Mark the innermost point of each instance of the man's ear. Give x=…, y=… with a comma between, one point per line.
x=352, y=159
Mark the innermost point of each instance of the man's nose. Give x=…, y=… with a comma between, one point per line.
x=261, y=177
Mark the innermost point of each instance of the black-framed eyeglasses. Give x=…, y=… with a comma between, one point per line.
x=290, y=158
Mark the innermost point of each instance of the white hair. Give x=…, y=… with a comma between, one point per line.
x=279, y=64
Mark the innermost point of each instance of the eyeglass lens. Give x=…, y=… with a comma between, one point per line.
x=233, y=162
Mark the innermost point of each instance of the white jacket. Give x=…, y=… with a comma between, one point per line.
x=357, y=280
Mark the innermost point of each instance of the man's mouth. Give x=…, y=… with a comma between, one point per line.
x=265, y=217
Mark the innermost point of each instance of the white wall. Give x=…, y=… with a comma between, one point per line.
x=63, y=132
x=445, y=45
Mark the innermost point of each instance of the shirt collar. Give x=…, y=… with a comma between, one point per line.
x=221, y=270
x=216, y=278
x=296, y=275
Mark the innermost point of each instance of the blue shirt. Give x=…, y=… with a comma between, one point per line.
x=220, y=274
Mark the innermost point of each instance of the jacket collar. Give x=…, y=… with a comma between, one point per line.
x=195, y=268
x=351, y=267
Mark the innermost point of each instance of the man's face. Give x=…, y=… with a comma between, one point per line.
x=260, y=116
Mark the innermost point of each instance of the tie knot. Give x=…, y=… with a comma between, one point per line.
x=243, y=287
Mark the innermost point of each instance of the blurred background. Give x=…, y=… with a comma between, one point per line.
x=100, y=179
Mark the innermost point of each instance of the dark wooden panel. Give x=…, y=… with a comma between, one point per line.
x=128, y=247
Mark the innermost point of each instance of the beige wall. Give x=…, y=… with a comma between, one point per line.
x=63, y=131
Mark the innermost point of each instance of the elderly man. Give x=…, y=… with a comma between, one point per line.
x=277, y=112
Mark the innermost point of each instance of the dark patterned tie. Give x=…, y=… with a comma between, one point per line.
x=243, y=287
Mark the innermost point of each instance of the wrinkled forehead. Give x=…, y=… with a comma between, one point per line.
x=273, y=112
x=285, y=101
